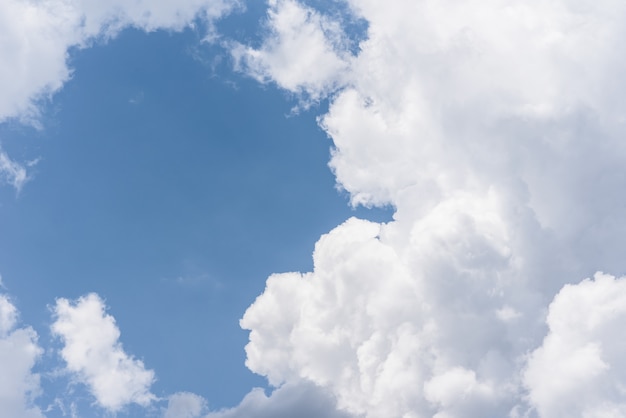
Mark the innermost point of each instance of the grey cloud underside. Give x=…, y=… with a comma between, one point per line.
x=298, y=399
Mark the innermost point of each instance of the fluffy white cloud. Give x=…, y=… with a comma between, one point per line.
x=298, y=399
x=378, y=326
x=580, y=370
x=306, y=53
x=95, y=357
x=495, y=130
x=18, y=353
x=36, y=36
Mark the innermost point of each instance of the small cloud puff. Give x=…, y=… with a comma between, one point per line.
x=95, y=357
x=185, y=405
x=304, y=53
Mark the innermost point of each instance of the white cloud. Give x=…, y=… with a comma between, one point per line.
x=95, y=357
x=12, y=172
x=18, y=353
x=376, y=325
x=304, y=54
x=458, y=393
x=579, y=370
x=184, y=405
x=8, y=316
x=297, y=399
x=36, y=36
x=496, y=131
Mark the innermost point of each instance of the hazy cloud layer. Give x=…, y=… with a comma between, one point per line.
x=495, y=130
x=95, y=357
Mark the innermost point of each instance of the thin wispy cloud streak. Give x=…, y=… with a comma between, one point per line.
x=12, y=172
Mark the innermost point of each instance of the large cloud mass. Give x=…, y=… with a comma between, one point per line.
x=495, y=129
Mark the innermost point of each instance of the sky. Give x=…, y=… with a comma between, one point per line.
x=224, y=209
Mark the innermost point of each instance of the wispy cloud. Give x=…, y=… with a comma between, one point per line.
x=11, y=172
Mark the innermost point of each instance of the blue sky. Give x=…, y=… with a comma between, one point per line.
x=226, y=209
x=172, y=187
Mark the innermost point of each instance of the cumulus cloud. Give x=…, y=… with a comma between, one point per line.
x=495, y=131
x=95, y=357
x=37, y=35
x=580, y=370
x=368, y=324
x=306, y=52
x=19, y=351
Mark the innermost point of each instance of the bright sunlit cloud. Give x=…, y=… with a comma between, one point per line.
x=95, y=357
x=494, y=130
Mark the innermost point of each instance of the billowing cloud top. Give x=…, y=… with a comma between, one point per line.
x=495, y=130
